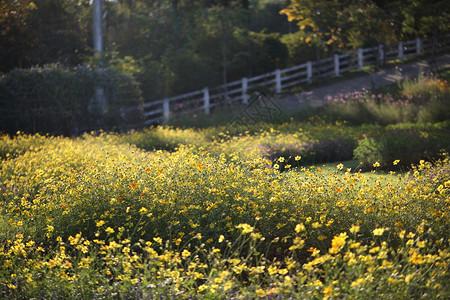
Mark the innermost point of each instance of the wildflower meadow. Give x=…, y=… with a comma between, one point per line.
x=323, y=208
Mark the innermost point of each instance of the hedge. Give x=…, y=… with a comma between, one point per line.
x=61, y=101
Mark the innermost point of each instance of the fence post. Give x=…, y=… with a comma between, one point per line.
x=206, y=100
x=309, y=72
x=244, y=90
x=277, y=81
x=360, y=59
x=400, y=50
x=381, y=54
x=166, y=109
x=336, y=65
x=418, y=50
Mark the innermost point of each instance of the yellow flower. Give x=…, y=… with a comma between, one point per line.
x=314, y=251
x=109, y=230
x=338, y=243
x=298, y=157
x=340, y=166
x=185, y=253
x=221, y=238
x=100, y=223
x=281, y=159
x=272, y=270
x=411, y=235
x=355, y=245
x=260, y=293
x=316, y=225
x=357, y=282
x=283, y=271
x=354, y=229
x=245, y=228
x=202, y=288
x=328, y=291
x=299, y=227
x=378, y=231
x=408, y=278
x=396, y=162
x=376, y=164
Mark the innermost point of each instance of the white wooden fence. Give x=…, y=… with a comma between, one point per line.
x=238, y=91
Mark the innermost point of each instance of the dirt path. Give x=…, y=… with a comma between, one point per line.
x=384, y=77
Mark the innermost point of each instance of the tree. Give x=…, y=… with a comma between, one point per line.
x=426, y=18
x=41, y=32
x=318, y=21
x=16, y=36
x=337, y=25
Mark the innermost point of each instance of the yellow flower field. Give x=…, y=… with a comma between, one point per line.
x=212, y=216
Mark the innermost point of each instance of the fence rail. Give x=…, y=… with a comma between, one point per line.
x=237, y=91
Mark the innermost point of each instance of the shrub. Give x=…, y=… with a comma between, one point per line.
x=164, y=138
x=409, y=144
x=57, y=100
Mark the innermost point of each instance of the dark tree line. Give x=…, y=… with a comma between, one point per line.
x=175, y=46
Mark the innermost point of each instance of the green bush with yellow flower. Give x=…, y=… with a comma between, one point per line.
x=97, y=217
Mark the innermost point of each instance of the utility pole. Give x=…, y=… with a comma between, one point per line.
x=98, y=29
x=98, y=50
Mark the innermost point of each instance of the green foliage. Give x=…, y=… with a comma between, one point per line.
x=425, y=18
x=408, y=143
x=41, y=32
x=299, y=51
x=184, y=71
x=58, y=100
x=164, y=138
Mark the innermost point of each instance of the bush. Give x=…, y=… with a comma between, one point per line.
x=57, y=100
x=164, y=138
x=409, y=144
x=312, y=152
